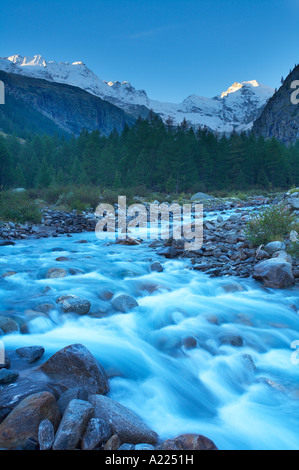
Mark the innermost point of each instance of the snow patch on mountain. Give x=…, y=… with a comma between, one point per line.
x=235, y=108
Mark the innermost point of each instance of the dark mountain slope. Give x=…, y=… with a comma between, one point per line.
x=280, y=118
x=69, y=108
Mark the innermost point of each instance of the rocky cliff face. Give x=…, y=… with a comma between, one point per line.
x=280, y=117
x=69, y=107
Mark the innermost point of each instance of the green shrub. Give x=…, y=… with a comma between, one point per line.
x=17, y=207
x=270, y=225
x=293, y=250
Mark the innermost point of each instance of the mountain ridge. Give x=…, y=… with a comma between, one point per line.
x=234, y=109
x=70, y=108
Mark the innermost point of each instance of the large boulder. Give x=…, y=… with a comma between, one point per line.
x=202, y=197
x=275, y=272
x=271, y=247
x=123, y=422
x=73, y=424
x=23, y=422
x=75, y=367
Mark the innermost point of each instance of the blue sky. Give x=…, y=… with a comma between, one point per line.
x=170, y=48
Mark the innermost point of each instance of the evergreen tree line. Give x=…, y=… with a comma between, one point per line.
x=153, y=155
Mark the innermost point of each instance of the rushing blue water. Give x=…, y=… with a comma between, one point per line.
x=210, y=389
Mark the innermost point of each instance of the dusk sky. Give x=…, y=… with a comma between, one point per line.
x=170, y=48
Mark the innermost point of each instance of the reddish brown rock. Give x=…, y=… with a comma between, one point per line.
x=75, y=367
x=188, y=442
x=23, y=422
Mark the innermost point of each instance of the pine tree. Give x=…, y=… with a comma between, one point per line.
x=6, y=172
x=44, y=176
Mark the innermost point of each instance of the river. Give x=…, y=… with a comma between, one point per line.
x=211, y=389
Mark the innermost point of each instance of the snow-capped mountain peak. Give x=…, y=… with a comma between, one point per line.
x=237, y=86
x=236, y=108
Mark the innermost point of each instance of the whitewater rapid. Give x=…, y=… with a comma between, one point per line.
x=212, y=389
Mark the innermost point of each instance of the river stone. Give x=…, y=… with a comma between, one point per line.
x=294, y=203
x=8, y=376
x=75, y=367
x=73, y=424
x=168, y=252
x=31, y=353
x=62, y=298
x=231, y=339
x=113, y=443
x=23, y=422
x=54, y=273
x=76, y=305
x=127, y=446
x=188, y=442
x=283, y=255
x=156, y=266
x=123, y=422
x=144, y=447
x=97, y=433
x=233, y=287
x=274, y=246
x=69, y=395
x=14, y=393
x=9, y=274
x=123, y=303
x=106, y=294
x=46, y=435
x=8, y=325
x=275, y=273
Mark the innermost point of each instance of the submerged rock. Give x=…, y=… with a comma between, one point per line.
x=54, y=273
x=76, y=305
x=8, y=325
x=156, y=266
x=123, y=303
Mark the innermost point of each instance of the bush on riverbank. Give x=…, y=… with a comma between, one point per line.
x=293, y=250
x=271, y=225
x=18, y=207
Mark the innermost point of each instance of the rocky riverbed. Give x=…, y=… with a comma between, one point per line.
x=177, y=345
x=225, y=250
x=61, y=405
